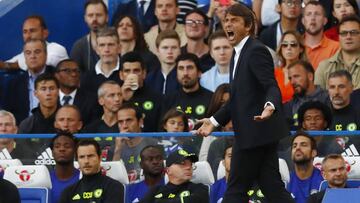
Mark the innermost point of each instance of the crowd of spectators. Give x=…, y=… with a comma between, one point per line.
x=161, y=66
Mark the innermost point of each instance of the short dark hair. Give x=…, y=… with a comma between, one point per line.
x=306, y=65
x=349, y=18
x=317, y=3
x=157, y=147
x=200, y=12
x=65, y=134
x=65, y=61
x=46, y=77
x=341, y=73
x=167, y=34
x=304, y=134
x=132, y=106
x=39, y=18
x=243, y=11
x=281, y=1
x=89, y=2
x=191, y=57
x=228, y=143
x=325, y=110
x=87, y=142
x=132, y=57
x=176, y=3
x=171, y=113
x=216, y=35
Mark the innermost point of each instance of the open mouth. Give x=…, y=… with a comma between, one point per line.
x=231, y=35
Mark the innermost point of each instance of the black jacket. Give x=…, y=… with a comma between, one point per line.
x=94, y=188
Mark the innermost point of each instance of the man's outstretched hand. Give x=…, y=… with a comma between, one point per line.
x=267, y=112
x=206, y=128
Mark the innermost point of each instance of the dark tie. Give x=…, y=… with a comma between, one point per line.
x=66, y=99
x=141, y=11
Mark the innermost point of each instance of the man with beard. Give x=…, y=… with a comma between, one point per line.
x=83, y=50
x=152, y=163
x=345, y=115
x=317, y=46
x=334, y=171
x=347, y=58
x=64, y=173
x=191, y=98
x=305, y=179
x=301, y=77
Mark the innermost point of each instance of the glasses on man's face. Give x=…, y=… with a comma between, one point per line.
x=69, y=70
x=352, y=33
x=194, y=22
x=290, y=3
x=289, y=44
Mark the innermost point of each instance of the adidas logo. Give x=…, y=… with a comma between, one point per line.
x=46, y=158
x=4, y=154
x=351, y=151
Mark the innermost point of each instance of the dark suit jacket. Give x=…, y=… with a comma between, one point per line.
x=88, y=106
x=131, y=7
x=254, y=84
x=17, y=100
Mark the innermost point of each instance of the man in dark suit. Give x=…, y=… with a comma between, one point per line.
x=143, y=10
x=68, y=75
x=255, y=110
x=20, y=98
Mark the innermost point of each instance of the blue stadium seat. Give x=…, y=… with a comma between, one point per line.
x=345, y=195
x=34, y=195
x=351, y=183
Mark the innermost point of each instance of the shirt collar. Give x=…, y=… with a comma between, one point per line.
x=36, y=74
x=99, y=71
x=146, y=1
x=62, y=94
x=240, y=45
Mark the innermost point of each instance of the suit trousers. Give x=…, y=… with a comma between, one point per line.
x=255, y=165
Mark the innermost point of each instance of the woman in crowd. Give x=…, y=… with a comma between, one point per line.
x=340, y=9
x=291, y=49
x=132, y=39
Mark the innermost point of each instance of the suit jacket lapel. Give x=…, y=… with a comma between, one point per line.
x=241, y=57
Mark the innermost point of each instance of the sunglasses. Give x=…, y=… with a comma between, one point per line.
x=351, y=32
x=291, y=44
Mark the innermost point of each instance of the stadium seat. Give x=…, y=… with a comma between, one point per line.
x=33, y=182
x=28, y=176
x=351, y=183
x=344, y=195
x=352, y=165
x=34, y=195
x=283, y=168
x=115, y=170
x=4, y=163
x=202, y=173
